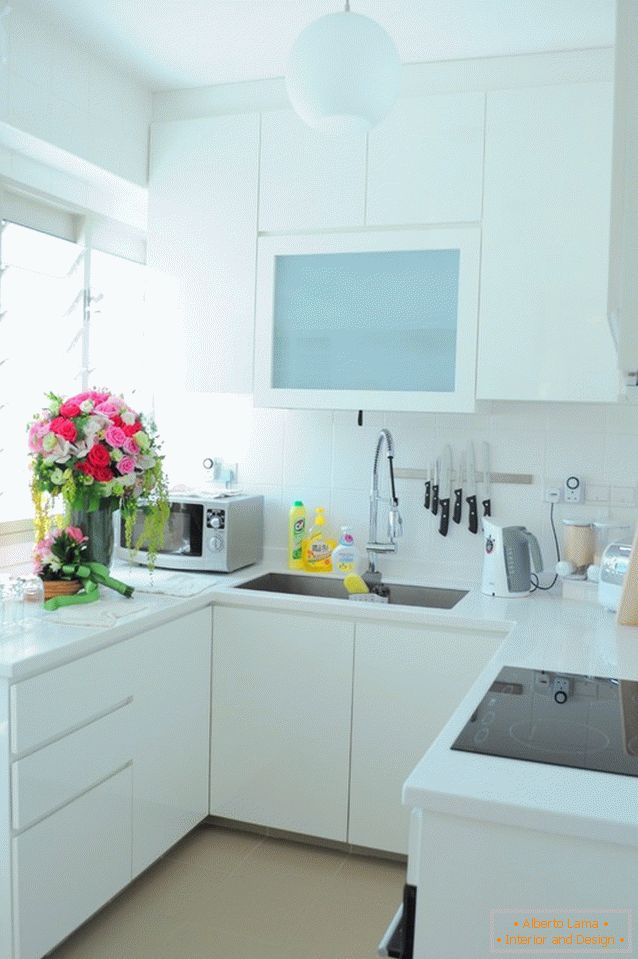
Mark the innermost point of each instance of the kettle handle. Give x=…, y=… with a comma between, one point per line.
x=535, y=550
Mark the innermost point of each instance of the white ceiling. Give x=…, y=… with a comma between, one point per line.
x=171, y=44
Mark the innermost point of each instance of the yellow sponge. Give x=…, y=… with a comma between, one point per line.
x=354, y=584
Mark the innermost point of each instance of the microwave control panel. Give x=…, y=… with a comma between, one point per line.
x=215, y=518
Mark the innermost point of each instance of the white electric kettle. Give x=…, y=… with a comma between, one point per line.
x=506, y=560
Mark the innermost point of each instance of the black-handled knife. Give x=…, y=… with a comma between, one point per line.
x=428, y=489
x=487, y=502
x=445, y=484
x=445, y=516
x=472, y=523
x=458, y=491
x=470, y=499
x=435, y=488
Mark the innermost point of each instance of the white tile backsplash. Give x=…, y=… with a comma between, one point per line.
x=308, y=448
x=325, y=459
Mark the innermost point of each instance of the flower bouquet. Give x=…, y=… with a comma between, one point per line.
x=60, y=560
x=99, y=455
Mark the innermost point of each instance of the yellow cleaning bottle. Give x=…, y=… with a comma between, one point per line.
x=296, y=534
x=318, y=547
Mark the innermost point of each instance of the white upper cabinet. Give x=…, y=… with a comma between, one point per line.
x=543, y=331
x=203, y=185
x=425, y=161
x=309, y=180
x=623, y=267
x=376, y=320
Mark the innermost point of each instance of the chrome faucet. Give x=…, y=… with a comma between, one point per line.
x=395, y=523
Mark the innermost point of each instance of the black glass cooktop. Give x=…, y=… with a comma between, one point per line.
x=566, y=719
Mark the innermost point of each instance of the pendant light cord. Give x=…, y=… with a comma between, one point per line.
x=347, y=7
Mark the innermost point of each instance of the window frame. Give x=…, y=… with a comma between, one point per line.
x=92, y=233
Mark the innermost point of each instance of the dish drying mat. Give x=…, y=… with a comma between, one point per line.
x=165, y=582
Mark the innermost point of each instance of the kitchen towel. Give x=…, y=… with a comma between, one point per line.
x=101, y=614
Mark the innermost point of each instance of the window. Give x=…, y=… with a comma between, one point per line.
x=50, y=342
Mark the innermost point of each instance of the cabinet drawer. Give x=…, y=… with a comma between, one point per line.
x=70, y=864
x=57, y=701
x=60, y=772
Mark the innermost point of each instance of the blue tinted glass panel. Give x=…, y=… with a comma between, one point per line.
x=366, y=321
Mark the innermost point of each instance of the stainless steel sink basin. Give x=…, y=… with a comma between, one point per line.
x=431, y=597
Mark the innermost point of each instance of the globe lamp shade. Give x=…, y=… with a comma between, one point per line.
x=343, y=74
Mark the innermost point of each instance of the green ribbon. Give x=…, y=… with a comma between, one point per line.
x=91, y=575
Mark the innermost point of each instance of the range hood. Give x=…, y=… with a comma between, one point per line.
x=623, y=259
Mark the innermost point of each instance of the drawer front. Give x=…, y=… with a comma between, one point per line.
x=62, y=771
x=67, y=866
x=72, y=695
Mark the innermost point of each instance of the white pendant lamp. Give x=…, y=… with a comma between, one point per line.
x=344, y=73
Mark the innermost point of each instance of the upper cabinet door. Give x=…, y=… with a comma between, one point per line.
x=202, y=231
x=543, y=331
x=623, y=267
x=425, y=161
x=376, y=320
x=309, y=180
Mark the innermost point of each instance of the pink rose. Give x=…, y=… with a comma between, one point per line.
x=76, y=533
x=107, y=408
x=36, y=432
x=129, y=445
x=126, y=465
x=115, y=436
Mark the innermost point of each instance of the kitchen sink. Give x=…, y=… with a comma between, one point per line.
x=432, y=597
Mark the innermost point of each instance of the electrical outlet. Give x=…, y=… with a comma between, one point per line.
x=551, y=494
x=573, y=490
x=623, y=496
x=597, y=493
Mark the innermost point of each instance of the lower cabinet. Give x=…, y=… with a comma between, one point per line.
x=280, y=742
x=407, y=683
x=306, y=740
x=171, y=730
x=70, y=864
x=109, y=764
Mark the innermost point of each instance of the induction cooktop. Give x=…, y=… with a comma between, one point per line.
x=566, y=719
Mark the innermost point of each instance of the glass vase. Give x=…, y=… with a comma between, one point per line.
x=98, y=526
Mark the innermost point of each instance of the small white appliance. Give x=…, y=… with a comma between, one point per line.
x=613, y=569
x=507, y=554
x=209, y=533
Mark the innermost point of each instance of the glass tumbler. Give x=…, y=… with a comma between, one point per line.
x=12, y=605
x=33, y=599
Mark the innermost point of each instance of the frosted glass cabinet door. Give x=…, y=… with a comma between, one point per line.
x=368, y=321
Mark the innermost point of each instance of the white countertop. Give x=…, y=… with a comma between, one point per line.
x=540, y=631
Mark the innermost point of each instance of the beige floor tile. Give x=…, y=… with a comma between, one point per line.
x=216, y=851
x=265, y=899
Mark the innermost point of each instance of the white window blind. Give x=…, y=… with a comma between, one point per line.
x=41, y=300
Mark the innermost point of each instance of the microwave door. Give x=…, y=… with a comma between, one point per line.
x=183, y=534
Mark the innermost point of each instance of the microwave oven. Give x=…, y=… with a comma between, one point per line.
x=206, y=533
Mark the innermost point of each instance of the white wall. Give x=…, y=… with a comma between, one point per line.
x=326, y=459
x=56, y=91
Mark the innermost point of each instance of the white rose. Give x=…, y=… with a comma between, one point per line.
x=127, y=480
x=145, y=462
x=86, y=406
x=128, y=417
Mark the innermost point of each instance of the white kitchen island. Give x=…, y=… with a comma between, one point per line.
x=497, y=841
